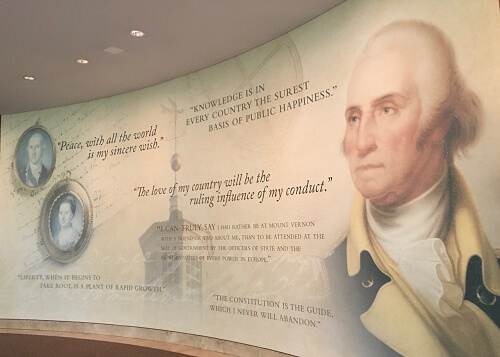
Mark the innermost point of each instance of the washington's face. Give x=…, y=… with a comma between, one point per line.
x=35, y=148
x=382, y=119
x=65, y=214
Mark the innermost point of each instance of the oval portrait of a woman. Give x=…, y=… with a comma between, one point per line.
x=66, y=221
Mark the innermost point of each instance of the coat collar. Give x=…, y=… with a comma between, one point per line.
x=465, y=238
x=397, y=317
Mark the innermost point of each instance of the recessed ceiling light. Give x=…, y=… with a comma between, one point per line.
x=29, y=78
x=137, y=33
x=82, y=61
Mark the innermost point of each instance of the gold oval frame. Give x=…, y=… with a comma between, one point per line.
x=21, y=141
x=66, y=186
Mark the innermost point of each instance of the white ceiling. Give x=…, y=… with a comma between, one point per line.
x=44, y=38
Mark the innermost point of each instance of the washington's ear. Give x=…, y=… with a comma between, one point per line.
x=440, y=132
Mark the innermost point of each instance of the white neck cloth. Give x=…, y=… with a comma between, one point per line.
x=36, y=170
x=411, y=236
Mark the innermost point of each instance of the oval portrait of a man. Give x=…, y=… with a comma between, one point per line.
x=66, y=221
x=35, y=157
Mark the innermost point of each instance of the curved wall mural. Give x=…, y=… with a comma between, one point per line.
x=308, y=196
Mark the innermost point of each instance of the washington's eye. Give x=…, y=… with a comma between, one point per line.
x=388, y=110
x=353, y=119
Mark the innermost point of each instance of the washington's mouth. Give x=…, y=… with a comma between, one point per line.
x=368, y=167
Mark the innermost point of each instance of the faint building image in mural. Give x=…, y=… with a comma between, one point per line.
x=174, y=251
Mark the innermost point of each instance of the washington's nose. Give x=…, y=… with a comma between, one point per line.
x=366, y=136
